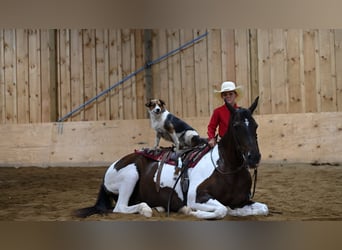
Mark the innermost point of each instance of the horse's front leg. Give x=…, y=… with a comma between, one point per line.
x=256, y=208
x=211, y=209
x=183, y=210
x=205, y=208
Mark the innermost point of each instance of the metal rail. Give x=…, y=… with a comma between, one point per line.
x=147, y=65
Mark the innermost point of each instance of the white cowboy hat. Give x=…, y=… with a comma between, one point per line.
x=230, y=86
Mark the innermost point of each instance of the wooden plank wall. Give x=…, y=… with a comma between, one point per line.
x=45, y=74
x=298, y=70
x=89, y=62
x=298, y=138
x=27, y=76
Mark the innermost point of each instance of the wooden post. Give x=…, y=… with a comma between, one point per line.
x=253, y=69
x=53, y=74
x=148, y=58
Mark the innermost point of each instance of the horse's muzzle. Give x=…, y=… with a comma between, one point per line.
x=252, y=159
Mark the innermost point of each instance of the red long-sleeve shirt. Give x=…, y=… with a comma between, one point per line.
x=220, y=118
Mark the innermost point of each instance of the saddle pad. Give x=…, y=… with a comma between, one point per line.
x=190, y=157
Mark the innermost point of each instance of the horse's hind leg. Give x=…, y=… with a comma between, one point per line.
x=122, y=206
x=141, y=208
x=125, y=181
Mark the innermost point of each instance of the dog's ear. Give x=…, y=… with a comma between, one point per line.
x=148, y=104
x=162, y=102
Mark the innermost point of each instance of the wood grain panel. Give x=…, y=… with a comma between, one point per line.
x=296, y=138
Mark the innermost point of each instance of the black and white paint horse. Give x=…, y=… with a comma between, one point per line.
x=219, y=185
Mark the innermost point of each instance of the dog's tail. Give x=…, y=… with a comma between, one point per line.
x=103, y=205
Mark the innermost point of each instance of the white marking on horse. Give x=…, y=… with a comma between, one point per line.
x=246, y=122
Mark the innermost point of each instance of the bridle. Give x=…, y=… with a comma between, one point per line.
x=217, y=166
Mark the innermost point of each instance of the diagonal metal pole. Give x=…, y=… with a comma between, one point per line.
x=147, y=65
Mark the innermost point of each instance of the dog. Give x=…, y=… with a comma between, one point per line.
x=171, y=128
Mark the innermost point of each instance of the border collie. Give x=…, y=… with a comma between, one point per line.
x=170, y=127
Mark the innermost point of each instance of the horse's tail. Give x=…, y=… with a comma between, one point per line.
x=103, y=205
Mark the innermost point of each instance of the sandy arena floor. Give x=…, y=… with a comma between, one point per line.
x=292, y=193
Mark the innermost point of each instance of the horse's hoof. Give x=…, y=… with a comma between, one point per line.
x=260, y=208
x=256, y=208
x=185, y=210
x=145, y=210
x=160, y=209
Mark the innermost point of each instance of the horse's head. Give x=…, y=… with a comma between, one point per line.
x=243, y=128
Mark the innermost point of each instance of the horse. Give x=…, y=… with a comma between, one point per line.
x=219, y=185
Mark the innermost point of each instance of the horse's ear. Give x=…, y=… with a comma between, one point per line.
x=254, y=105
x=230, y=107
